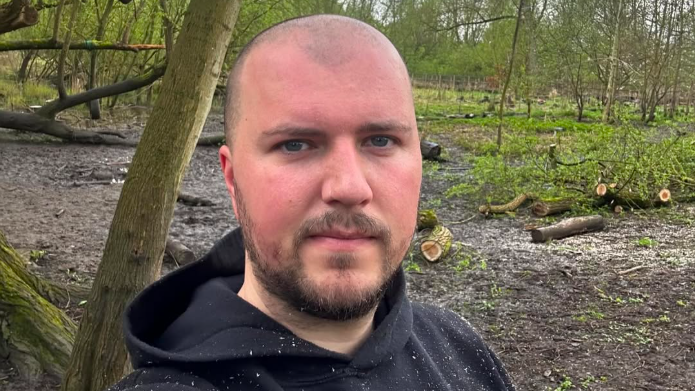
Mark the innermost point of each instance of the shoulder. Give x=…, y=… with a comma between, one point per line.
x=161, y=379
x=431, y=318
x=444, y=333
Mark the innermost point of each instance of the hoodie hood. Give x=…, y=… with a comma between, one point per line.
x=193, y=316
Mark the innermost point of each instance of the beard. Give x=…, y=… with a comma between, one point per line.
x=285, y=277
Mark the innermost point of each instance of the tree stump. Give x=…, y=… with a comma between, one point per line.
x=430, y=150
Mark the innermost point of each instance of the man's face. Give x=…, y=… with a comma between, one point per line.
x=325, y=175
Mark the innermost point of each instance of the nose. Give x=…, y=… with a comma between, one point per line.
x=345, y=180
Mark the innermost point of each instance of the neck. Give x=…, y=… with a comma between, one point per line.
x=338, y=336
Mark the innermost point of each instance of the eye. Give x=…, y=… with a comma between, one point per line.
x=293, y=146
x=380, y=141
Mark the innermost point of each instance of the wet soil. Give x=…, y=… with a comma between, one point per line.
x=554, y=312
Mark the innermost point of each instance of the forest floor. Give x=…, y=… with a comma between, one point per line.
x=560, y=315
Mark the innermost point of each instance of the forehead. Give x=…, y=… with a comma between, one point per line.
x=298, y=76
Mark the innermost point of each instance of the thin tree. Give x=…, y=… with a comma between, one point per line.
x=133, y=253
x=509, y=72
x=610, y=89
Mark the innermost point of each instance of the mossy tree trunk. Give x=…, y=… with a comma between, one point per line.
x=35, y=335
x=135, y=245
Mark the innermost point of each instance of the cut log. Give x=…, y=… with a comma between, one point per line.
x=623, y=197
x=181, y=254
x=426, y=219
x=430, y=150
x=437, y=244
x=35, y=335
x=17, y=14
x=568, y=227
x=190, y=200
x=550, y=207
x=508, y=207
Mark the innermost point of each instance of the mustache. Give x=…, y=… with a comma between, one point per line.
x=358, y=222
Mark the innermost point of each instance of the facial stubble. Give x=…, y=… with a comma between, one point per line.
x=285, y=277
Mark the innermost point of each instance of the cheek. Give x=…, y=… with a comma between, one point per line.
x=275, y=200
x=399, y=194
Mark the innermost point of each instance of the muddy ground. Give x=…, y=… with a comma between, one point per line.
x=559, y=314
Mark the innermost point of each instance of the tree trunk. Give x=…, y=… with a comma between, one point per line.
x=610, y=89
x=135, y=245
x=509, y=72
x=17, y=14
x=35, y=335
x=22, y=72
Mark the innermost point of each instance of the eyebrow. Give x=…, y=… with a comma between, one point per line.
x=368, y=127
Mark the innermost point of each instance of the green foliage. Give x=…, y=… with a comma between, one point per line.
x=35, y=255
x=646, y=242
x=565, y=385
x=640, y=160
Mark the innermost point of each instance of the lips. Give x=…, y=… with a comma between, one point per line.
x=341, y=241
x=342, y=235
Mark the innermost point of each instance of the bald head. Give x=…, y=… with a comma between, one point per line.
x=327, y=40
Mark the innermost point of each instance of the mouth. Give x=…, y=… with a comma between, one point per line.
x=341, y=241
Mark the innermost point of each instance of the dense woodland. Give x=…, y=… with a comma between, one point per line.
x=641, y=50
x=530, y=111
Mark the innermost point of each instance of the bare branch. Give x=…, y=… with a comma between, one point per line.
x=482, y=21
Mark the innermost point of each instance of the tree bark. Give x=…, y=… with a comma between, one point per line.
x=569, y=227
x=509, y=72
x=135, y=245
x=610, y=89
x=17, y=14
x=37, y=336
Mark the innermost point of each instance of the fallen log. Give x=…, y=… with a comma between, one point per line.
x=190, y=200
x=49, y=44
x=568, y=227
x=430, y=150
x=180, y=254
x=542, y=208
x=437, y=244
x=508, y=207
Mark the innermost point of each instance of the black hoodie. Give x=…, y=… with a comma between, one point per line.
x=190, y=331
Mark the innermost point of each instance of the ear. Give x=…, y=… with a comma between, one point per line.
x=228, y=171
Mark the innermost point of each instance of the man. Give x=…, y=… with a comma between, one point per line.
x=323, y=167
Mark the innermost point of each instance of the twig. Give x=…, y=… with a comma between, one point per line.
x=112, y=133
x=632, y=269
x=104, y=182
x=460, y=222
